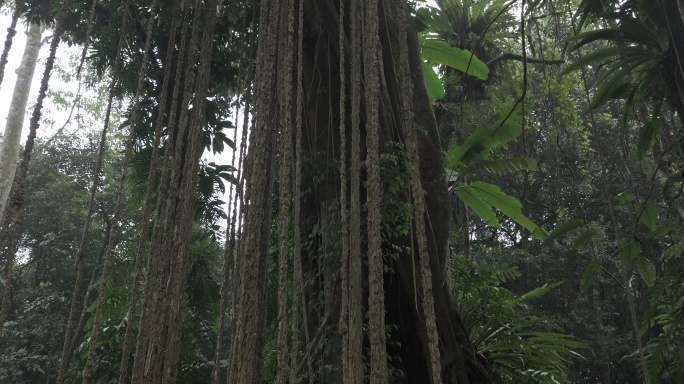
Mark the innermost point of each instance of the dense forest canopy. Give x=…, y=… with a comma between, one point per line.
x=409, y=192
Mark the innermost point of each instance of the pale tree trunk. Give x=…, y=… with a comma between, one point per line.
x=9, y=148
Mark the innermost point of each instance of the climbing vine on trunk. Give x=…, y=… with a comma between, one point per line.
x=356, y=105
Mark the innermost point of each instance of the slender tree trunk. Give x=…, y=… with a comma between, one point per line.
x=9, y=149
x=12, y=229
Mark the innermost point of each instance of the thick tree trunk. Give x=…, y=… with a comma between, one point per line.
x=9, y=148
x=402, y=294
x=409, y=305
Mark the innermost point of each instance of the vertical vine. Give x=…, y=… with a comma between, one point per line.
x=285, y=181
x=344, y=208
x=151, y=184
x=237, y=216
x=154, y=318
x=297, y=273
x=376, y=296
x=228, y=292
x=70, y=333
x=121, y=190
x=246, y=362
x=354, y=370
x=418, y=199
x=188, y=193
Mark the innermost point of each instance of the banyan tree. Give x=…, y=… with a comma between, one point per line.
x=340, y=193
x=341, y=83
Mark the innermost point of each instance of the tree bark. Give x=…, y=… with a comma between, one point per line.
x=11, y=31
x=403, y=299
x=329, y=90
x=9, y=149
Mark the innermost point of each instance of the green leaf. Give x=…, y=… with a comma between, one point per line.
x=539, y=291
x=589, y=275
x=474, y=201
x=433, y=84
x=587, y=37
x=217, y=145
x=586, y=237
x=607, y=90
x=624, y=198
x=629, y=32
x=660, y=231
x=431, y=19
x=564, y=229
x=630, y=251
x=648, y=134
x=557, y=338
x=607, y=55
x=635, y=30
x=632, y=103
x=509, y=206
x=504, y=166
x=646, y=270
x=648, y=214
x=619, y=71
x=597, y=56
x=225, y=124
x=477, y=147
x=440, y=52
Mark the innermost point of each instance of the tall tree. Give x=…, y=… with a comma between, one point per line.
x=9, y=148
x=417, y=297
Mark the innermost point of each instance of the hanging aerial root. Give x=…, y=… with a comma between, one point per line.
x=285, y=185
x=70, y=333
x=353, y=371
x=229, y=256
x=297, y=273
x=246, y=361
x=239, y=201
x=160, y=340
x=376, y=300
x=418, y=198
x=121, y=191
x=188, y=190
x=147, y=201
x=86, y=40
x=344, y=206
x=150, y=338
